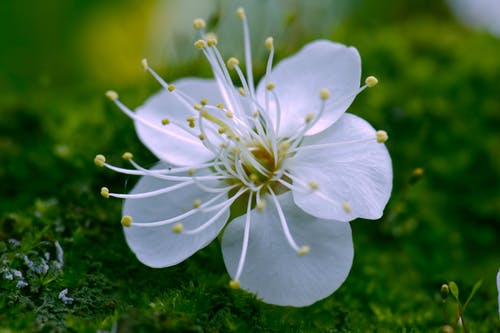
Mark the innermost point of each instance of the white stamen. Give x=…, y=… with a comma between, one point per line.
x=246, y=235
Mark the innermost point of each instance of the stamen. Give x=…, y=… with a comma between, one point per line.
x=196, y=203
x=313, y=185
x=177, y=228
x=248, y=54
x=284, y=224
x=105, y=192
x=200, y=44
x=152, y=193
x=234, y=284
x=165, y=121
x=199, y=24
x=303, y=250
x=346, y=207
x=112, y=95
x=382, y=136
x=126, y=221
x=246, y=236
x=127, y=156
x=100, y=160
x=371, y=81
x=144, y=63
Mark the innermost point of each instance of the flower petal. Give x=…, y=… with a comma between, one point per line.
x=356, y=173
x=274, y=271
x=160, y=246
x=175, y=145
x=299, y=79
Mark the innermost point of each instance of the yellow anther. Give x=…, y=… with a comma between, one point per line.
x=382, y=136
x=105, y=192
x=229, y=114
x=241, y=13
x=127, y=156
x=200, y=43
x=99, y=160
x=242, y=91
x=418, y=172
x=204, y=101
x=171, y=87
x=165, y=121
x=220, y=106
x=177, y=228
x=253, y=177
x=285, y=145
x=313, y=185
x=191, y=172
x=309, y=117
x=196, y=203
x=303, y=250
x=199, y=23
x=126, y=221
x=234, y=284
x=255, y=114
x=201, y=136
x=324, y=94
x=269, y=43
x=112, y=95
x=190, y=119
x=232, y=62
x=235, y=150
x=197, y=107
x=346, y=207
x=223, y=145
x=371, y=81
x=211, y=39
x=221, y=130
x=270, y=86
x=144, y=63
x=261, y=205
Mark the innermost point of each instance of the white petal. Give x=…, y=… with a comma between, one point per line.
x=357, y=173
x=299, y=79
x=274, y=271
x=178, y=147
x=160, y=246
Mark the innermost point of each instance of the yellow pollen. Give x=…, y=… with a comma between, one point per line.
x=242, y=91
x=234, y=284
x=196, y=203
x=171, y=87
x=232, y=62
x=177, y=228
x=346, y=207
x=221, y=130
x=204, y=101
x=261, y=205
x=126, y=221
x=303, y=250
x=313, y=185
x=229, y=114
x=270, y=86
x=165, y=121
x=309, y=117
x=105, y=192
x=269, y=43
x=200, y=43
x=190, y=119
x=112, y=95
x=144, y=63
x=211, y=39
x=191, y=171
x=197, y=107
x=241, y=13
x=324, y=94
x=199, y=23
x=382, y=136
x=371, y=81
x=201, y=136
x=127, y=156
x=220, y=106
x=99, y=160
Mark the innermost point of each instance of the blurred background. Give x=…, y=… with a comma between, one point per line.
x=438, y=98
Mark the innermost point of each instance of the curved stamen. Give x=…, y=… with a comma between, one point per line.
x=216, y=216
x=246, y=236
x=178, y=217
x=248, y=51
x=284, y=224
x=152, y=193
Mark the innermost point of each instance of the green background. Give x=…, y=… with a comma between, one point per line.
x=438, y=98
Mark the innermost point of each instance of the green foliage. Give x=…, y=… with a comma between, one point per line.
x=437, y=99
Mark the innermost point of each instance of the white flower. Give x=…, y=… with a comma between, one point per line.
x=285, y=154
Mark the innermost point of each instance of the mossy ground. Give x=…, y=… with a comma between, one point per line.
x=437, y=98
